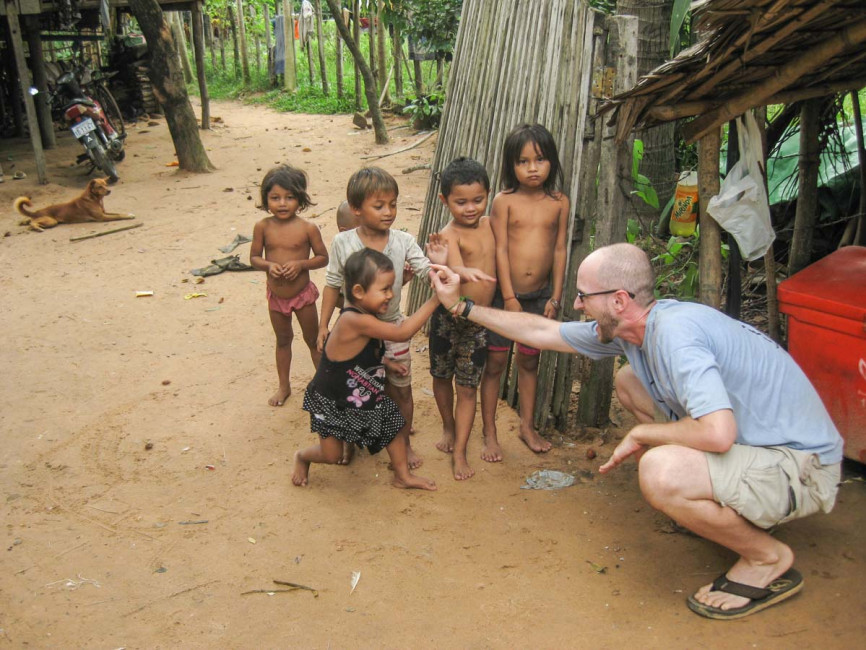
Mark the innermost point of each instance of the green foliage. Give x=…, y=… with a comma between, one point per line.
x=435, y=21
x=677, y=268
x=678, y=17
x=643, y=188
x=426, y=111
x=605, y=6
x=632, y=231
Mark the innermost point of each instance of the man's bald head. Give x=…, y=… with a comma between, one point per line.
x=622, y=266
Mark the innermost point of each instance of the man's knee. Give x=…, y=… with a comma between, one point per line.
x=657, y=474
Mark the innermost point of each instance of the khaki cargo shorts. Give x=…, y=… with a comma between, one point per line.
x=772, y=485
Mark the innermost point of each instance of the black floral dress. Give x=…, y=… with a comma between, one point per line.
x=347, y=400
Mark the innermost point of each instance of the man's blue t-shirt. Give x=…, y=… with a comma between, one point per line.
x=696, y=360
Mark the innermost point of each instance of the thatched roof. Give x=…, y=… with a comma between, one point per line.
x=751, y=53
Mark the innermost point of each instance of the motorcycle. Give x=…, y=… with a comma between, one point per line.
x=91, y=125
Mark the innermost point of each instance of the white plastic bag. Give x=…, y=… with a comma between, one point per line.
x=742, y=207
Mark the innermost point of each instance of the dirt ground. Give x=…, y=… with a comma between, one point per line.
x=113, y=542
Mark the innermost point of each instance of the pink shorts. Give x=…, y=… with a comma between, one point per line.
x=307, y=296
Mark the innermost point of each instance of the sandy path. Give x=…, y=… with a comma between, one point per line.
x=97, y=556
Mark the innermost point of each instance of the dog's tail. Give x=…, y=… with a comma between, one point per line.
x=19, y=204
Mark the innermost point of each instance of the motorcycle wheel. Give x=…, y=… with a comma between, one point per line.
x=111, y=110
x=103, y=162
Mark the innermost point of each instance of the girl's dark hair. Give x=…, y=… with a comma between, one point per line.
x=462, y=171
x=543, y=141
x=290, y=179
x=362, y=267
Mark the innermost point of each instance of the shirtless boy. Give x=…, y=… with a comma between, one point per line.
x=281, y=247
x=458, y=348
x=529, y=218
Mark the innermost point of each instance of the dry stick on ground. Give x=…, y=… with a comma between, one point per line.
x=411, y=146
x=107, y=232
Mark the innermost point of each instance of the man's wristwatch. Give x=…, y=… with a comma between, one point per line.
x=468, y=304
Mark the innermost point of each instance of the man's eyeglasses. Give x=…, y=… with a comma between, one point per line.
x=583, y=296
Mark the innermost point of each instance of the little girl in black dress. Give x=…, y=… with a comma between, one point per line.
x=346, y=399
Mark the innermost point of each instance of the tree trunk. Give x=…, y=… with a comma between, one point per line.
x=398, y=56
x=208, y=38
x=223, y=45
x=267, y=18
x=381, y=37
x=40, y=80
x=369, y=81
x=807, y=194
x=254, y=14
x=290, y=72
x=320, y=36
x=198, y=48
x=356, y=38
x=659, y=161
x=371, y=39
x=168, y=86
x=180, y=41
x=233, y=26
x=419, y=78
x=339, y=47
x=245, y=63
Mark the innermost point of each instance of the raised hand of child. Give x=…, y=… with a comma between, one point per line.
x=408, y=273
x=437, y=249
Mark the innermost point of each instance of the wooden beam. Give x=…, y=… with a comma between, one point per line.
x=710, y=263
x=23, y=80
x=841, y=42
x=807, y=190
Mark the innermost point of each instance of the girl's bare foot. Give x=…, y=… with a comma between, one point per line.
x=491, y=451
x=446, y=445
x=302, y=470
x=279, y=398
x=415, y=461
x=412, y=482
x=535, y=442
x=348, y=454
x=461, y=468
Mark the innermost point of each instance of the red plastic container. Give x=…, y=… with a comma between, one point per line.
x=826, y=308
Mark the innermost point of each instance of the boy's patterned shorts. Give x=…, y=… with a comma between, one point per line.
x=458, y=348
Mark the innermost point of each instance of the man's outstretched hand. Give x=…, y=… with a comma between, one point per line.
x=627, y=447
x=446, y=284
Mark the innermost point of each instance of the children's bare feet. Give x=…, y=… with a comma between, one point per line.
x=535, y=442
x=302, y=470
x=348, y=454
x=415, y=461
x=462, y=471
x=412, y=482
x=491, y=451
x=279, y=398
x=446, y=445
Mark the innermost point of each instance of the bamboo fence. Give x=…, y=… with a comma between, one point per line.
x=517, y=61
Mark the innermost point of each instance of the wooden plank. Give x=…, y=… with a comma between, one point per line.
x=23, y=81
x=710, y=263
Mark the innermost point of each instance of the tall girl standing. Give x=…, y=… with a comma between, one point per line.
x=529, y=217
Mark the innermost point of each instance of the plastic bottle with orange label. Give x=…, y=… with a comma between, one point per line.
x=684, y=215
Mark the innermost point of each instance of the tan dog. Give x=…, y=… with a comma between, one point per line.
x=87, y=207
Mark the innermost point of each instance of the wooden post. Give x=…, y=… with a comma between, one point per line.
x=40, y=81
x=773, y=328
x=245, y=63
x=23, y=81
x=223, y=28
x=371, y=40
x=320, y=36
x=614, y=187
x=290, y=75
x=733, y=302
x=208, y=39
x=710, y=262
x=198, y=47
x=807, y=195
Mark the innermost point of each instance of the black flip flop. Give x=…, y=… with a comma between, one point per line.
x=782, y=588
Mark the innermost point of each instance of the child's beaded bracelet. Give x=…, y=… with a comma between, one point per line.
x=468, y=302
